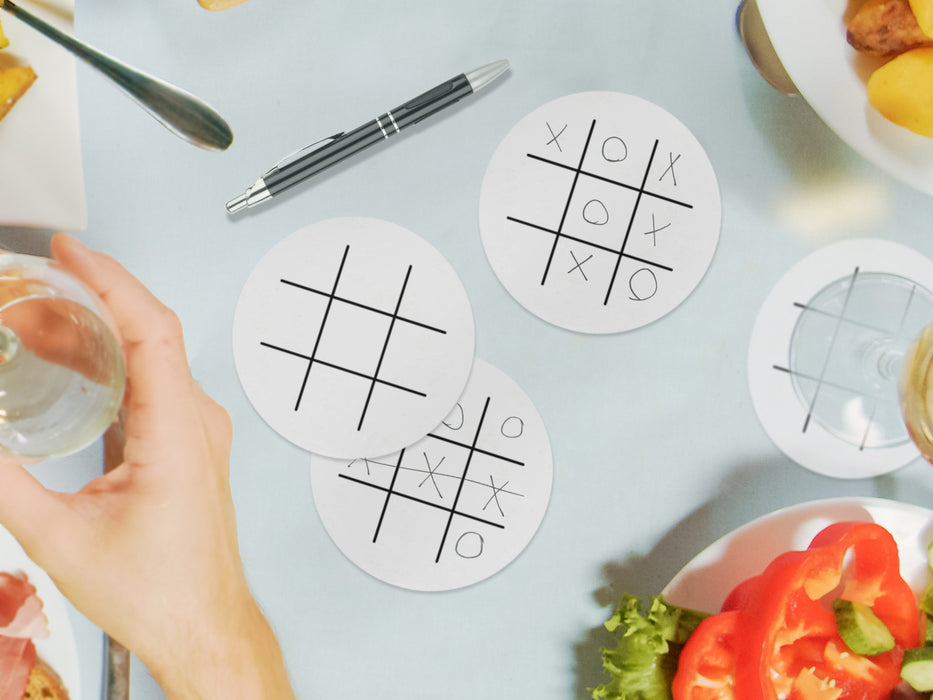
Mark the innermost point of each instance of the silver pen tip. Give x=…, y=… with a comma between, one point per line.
x=237, y=203
x=482, y=76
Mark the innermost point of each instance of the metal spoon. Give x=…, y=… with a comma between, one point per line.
x=179, y=111
x=760, y=50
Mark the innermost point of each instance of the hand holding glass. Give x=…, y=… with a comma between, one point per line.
x=61, y=367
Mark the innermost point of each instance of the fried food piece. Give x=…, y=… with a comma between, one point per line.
x=4, y=42
x=14, y=82
x=44, y=684
x=886, y=28
x=902, y=90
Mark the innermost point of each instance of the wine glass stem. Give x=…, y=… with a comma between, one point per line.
x=882, y=362
x=9, y=345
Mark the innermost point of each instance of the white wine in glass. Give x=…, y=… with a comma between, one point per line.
x=916, y=391
x=61, y=367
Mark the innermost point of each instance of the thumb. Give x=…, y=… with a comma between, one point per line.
x=26, y=506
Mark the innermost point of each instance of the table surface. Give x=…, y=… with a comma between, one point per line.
x=657, y=448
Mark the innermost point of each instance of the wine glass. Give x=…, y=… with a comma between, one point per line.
x=61, y=367
x=860, y=356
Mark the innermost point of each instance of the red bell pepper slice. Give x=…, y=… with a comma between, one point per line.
x=706, y=667
x=781, y=636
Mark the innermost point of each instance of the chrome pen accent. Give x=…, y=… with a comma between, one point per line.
x=321, y=155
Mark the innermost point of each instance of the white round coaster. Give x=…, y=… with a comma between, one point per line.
x=452, y=509
x=600, y=212
x=784, y=416
x=353, y=337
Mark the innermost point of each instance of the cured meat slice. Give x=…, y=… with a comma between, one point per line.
x=17, y=658
x=20, y=608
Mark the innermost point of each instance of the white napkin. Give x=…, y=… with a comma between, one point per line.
x=41, y=179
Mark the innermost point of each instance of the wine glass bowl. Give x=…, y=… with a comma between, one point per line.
x=61, y=367
x=847, y=352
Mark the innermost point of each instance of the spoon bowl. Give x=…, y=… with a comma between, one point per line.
x=179, y=111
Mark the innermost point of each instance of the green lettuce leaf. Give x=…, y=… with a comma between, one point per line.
x=648, y=643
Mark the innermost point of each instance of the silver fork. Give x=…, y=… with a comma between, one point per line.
x=181, y=112
x=116, y=680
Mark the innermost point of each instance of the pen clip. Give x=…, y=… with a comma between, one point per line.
x=292, y=157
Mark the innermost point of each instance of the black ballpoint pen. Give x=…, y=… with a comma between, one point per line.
x=319, y=156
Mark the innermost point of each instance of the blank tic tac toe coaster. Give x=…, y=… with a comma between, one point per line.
x=600, y=212
x=785, y=392
x=455, y=507
x=353, y=337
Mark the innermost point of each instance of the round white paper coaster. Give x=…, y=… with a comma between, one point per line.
x=784, y=416
x=353, y=337
x=455, y=507
x=600, y=212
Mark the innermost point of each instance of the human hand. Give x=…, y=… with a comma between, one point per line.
x=149, y=550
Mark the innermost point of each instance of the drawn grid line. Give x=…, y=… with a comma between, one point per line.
x=312, y=359
x=559, y=233
x=451, y=510
x=821, y=380
x=385, y=346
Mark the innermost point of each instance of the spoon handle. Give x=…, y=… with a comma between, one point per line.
x=180, y=111
x=116, y=680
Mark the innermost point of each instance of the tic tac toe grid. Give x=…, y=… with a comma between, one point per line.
x=460, y=480
x=600, y=212
x=353, y=337
x=784, y=393
x=595, y=212
x=370, y=375
x=453, y=508
x=824, y=374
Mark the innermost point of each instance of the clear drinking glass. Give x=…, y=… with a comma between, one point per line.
x=861, y=356
x=916, y=391
x=61, y=367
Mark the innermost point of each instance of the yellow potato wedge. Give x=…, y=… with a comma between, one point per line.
x=902, y=90
x=4, y=42
x=217, y=5
x=923, y=11
x=14, y=82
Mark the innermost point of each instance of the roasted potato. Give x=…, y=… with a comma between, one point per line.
x=14, y=82
x=902, y=90
x=923, y=11
x=215, y=5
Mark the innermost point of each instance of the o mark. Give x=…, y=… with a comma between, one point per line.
x=469, y=548
x=652, y=282
x=455, y=414
x=513, y=427
x=614, y=149
x=595, y=212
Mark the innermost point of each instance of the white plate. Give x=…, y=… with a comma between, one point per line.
x=810, y=39
x=58, y=650
x=41, y=179
x=706, y=581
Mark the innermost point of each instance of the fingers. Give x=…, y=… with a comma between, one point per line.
x=156, y=363
x=25, y=505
